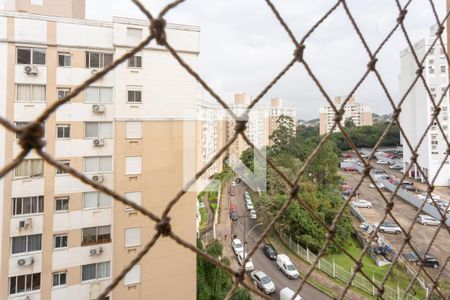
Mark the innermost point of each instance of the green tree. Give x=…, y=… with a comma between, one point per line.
x=348, y=123
x=283, y=135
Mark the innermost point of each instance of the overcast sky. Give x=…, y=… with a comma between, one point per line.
x=242, y=45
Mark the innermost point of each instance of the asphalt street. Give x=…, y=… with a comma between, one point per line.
x=249, y=231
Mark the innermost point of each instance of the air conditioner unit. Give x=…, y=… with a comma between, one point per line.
x=97, y=178
x=98, y=142
x=25, y=261
x=28, y=222
x=30, y=70
x=98, y=108
x=22, y=224
x=96, y=251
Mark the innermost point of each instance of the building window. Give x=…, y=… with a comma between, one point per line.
x=133, y=165
x=27, y=205
x=96, y=200
x=98, y=95
x=98, y=60
x=62, y=92
x=94, y=164
x=26, y=243
x=62, y=204
x=95, y=271
x=134, y=197
x=133, y=276
x=60, y=278
x=31, y=56
x=132, y=237
x=133, y=130
x=134, y=95
x=443, y=69
x=29, y=168
x=134, y=33
x=24, y=283
x=63, y=131
x=60, y=241
x=96, y=235
x=135, y=61
x=64, y=59
x=65, y=163
x=30, y=93
x=98, y=130
x=432, y=50
x=431, y=69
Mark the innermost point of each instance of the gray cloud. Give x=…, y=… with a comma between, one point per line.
x=243, y=46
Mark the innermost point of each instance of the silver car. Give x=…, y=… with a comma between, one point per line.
x=263, y=282
x=427, y=220
x=389, y=227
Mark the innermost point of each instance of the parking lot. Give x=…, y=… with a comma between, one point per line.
x=422, y=235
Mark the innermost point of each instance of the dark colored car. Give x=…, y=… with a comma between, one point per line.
x=234, y=216
x=428, y=260
x=409, y=187
x=270, y=252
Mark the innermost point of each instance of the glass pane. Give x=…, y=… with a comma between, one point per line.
x=39, y=56
x=107, y=59
x=26, y=205
x=68, y=60
x=34, y=242
x=19, y=244
x=61, y=60
x=90, y=199
x=90, y=164
x=90, y=234
x=28, y=281
x=138, y=96
x=65, y=204
x=22, y=169
x=105, y=164
x=105, y=95
x=12, y=285
x=130, y=96
x=23, y=92
x=20, y=284
x=103, y=269
x=62, y=278
x=91, y=129
x=104, y=200
x=63, y=242
x=55, y=279
x=40, y=204
x=24, y=56
x=94, y=60
x=88, y=272
x=37, y=167
x=36, y=281
x=105, y=130
x=38, y=93
x=34, y=205
x=91, y=95
x=138, y=62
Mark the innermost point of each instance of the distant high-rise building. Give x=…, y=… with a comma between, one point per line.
x=417, y=110
x=62, y=239
x=360, y=114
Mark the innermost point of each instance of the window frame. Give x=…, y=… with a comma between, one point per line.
x=58, y=274
x=64, y=90
x=39, y=203
x=65, y=128
x=96, y=271
x=65, y=54
x=32, y=49
x=61, y=238
x=99, y=123
x=31, y=86
x=135, y=61
x=26, y=276
x=98, y=164
x=134, y=89
x=88, y=242
x=28, y=161
x=27, y=244
x=62, y=198
x=98, y=206
x=101, y=59
x=61, y=172
x=98, y=100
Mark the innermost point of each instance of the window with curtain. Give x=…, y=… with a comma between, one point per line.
x=132, y=237
x=96, y=200
x=26, y=243
x=98, y=59
x=27, y=205
x=98, y=130
x=133, y=276
x=97, y=164
x=134, y=197
x=135, y=61
x=30, y=168
x=95, y=271
x=30, y=92
x=24, y=283
x=133, y=165
x=98, y=95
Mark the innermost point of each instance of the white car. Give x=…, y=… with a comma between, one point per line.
x=287, y=294
x=249, y=206
x=237, y=246
x=286, y=266
x=248, y=265
x=382, y=162
x=427, y=220
x=362, y=203
x=263, y=282
x=253, y=214
x=379, y=185
x=424, y=196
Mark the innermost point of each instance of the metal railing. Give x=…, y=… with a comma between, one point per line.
x=31, y=138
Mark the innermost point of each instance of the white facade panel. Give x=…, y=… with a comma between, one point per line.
x=30, y=30
x=76, y=76
x=36, y=224
x=3, y=27
x=82, y=218
x=83, y=35
x=68, y=184
x=23, y=187
x=84, y=147
x=83, y=112
x=22, y=77
x=28, y=111
x=88, y=291
x=15, y=269
x=78, y=256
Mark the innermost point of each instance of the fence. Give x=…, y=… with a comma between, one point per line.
x=31, y=137
x=334, y=270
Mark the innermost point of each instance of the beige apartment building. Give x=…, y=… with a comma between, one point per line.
x=61, y=239
x=361, y=114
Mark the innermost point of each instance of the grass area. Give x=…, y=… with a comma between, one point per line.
x=397, y=276
x=204, y=217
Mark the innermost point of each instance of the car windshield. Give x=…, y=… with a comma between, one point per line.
x=290, y=267
x=390, y=224
x=238, y=245
x=265, y=280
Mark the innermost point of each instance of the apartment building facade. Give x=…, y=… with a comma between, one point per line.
x=417, y=110
x=61, y=239
x=361, y=114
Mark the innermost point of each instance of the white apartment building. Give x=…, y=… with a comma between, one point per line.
x=417, y=110
x=360, y=114
x=61, y=239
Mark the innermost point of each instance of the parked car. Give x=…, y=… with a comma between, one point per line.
x=389, y=227
x=424, y=196
x=263, y=282
x=362, y=203
x=382, y=162
x=237, y=246
x=270, y=251
x=287, y=294
x=248, y=265
x=427, y=260
x=234, y=216
x=253, y=214
x=378, y=171
x=427, y=220
x=249, y=205
x=379, y=185
x=409, y=187
x=285, y=265
x=396, y=167
x=347, y=192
